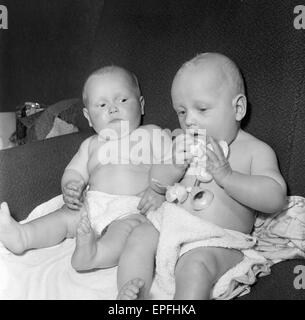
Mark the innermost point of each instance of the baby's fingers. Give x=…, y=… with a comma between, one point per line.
x=72, y=193
x=217, y=148
x=142, y=202
x=72, y=202
x=147, y=206
x=71, y=186
x=73, y=206
x=212, y=157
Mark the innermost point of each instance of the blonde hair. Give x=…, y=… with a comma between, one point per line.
x=228, y=67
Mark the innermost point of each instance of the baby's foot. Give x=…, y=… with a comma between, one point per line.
x=132, y=290
x=11, y=233
x=86, y=247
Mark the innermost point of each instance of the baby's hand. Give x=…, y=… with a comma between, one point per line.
x=72, y=194
x=217, y=164
x=151, y=200
x=182, y=155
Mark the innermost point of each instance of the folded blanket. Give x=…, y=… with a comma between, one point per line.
x=281, y=236
x=181, y=231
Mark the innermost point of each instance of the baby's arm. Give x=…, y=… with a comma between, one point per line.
x=76, y=177
x=165, y=169
x=163, y=172
x=161, y=175
x=264, y=190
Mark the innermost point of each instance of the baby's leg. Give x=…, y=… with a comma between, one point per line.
x=198, y=270
x=43, y=232
x=136, y=265
x=91, y=253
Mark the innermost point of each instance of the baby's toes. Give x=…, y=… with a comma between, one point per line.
x=87, y=224
x=128, y=294
x=83, y=228
x=139, y=283
x=134, y=286
x=80, y=231
x=4, y=208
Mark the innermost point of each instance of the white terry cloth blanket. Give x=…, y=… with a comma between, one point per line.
x=181, y=231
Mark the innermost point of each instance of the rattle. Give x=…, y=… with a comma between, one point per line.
x=200, y=197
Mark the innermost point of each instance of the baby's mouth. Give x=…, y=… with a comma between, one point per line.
x=115, y=120
x=196, y=132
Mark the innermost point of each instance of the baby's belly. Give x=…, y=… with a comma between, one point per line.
x=122, y=180
x=224, y=211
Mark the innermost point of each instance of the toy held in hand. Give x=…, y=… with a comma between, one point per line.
x=177, y=192
x=200, y=198
x=198, y=164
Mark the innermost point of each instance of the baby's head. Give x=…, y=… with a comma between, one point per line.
x=112, y=95
x=208, y=93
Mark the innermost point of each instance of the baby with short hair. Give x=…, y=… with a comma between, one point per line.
x=105, y=183
x=208, y=93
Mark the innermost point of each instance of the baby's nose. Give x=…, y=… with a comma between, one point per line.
x=113, y=108
x=190, y=120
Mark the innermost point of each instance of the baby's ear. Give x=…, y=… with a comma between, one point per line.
x=239, y=104
x=86, y=115
x=142, y=102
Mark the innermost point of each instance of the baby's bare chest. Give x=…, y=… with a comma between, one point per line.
x=119, y=153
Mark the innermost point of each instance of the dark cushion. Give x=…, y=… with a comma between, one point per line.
x=31, y=174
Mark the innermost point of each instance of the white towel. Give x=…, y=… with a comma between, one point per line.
x=181, y=231
x=47, y=274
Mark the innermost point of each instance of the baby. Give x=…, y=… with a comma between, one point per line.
x=208, y=93
x=104, y=180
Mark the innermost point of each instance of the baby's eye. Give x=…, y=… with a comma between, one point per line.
x=122, y=100
x=201, y=108
x=181, y=113
x=102, y=105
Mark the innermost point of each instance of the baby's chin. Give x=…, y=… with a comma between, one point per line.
x=116, y=129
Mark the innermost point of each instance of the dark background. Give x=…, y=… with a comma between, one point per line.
x=51, y=47
x=46, y=51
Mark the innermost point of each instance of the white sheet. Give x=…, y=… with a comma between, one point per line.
x=47, y=273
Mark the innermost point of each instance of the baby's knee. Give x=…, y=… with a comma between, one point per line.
x=197, y=265
x=125, y=226
x=144, y=230
x=142, y=234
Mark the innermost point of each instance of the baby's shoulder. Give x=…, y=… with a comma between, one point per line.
x=251, y=144
x=89, y=143
x=149, y=128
